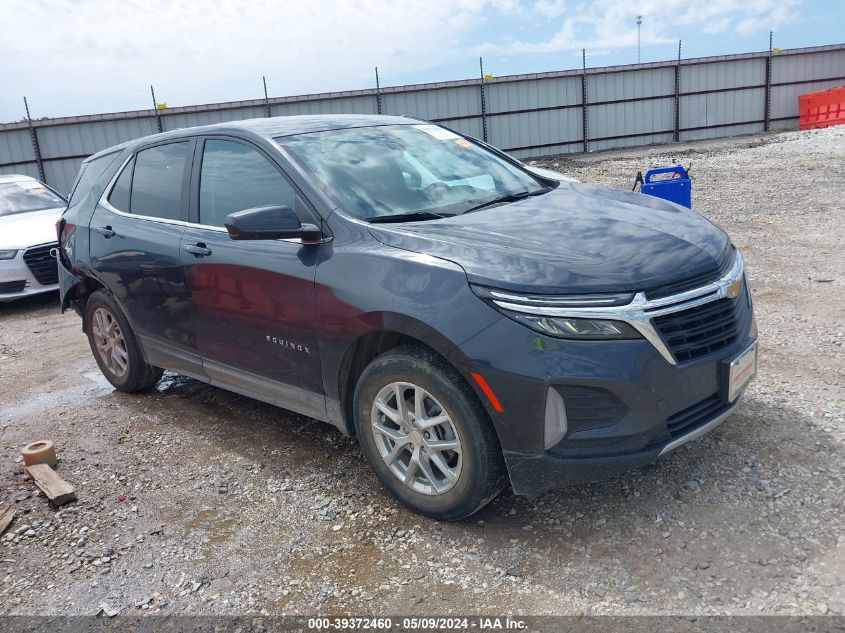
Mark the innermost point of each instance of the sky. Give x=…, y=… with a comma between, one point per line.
x=71, y=57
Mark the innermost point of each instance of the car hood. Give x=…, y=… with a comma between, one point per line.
x=23, y=230
x=576, y=238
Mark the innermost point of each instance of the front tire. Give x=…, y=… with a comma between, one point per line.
x=426, y=436
x=115, y=346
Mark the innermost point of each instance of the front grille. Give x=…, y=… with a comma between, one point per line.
x=42, y=265
x=10, y=287
x=696, y=281
x=700, y=413
x=705, y=329
x=590, y=407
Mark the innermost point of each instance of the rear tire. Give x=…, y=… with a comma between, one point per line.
x=115, y=346
x=435, y=448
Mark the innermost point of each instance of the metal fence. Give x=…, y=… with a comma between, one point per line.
x=526, y=115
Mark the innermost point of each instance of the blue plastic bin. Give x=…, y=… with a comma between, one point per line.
x=677, y=189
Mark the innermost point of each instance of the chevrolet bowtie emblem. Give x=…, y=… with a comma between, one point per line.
x=733, y=290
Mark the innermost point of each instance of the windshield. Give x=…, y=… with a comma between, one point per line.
x=26, y=195
x=414, y=170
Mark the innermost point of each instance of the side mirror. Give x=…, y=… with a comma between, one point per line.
x=270, y=223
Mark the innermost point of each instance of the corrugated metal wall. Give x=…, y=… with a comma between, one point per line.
x=526, y=115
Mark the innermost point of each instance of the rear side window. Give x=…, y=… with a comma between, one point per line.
x=157, y=180
x=89, y=174
x=235, y=177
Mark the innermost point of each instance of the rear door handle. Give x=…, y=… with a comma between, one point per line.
x=198, y=250
x=106, y=231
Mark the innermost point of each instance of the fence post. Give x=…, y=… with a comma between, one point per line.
x=378, y=93
x=584, y=129
x=483, y=102
x=768, y=100
x=35, y=149
x=155, y=109
x=677, y=135
x=266, y=98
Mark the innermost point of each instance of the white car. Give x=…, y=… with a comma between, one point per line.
x=29, y=210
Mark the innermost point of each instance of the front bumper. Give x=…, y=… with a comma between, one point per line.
x=533, y=476
x=17, y=280
x=630, y=405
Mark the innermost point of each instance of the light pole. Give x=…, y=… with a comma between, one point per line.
x=639, y=23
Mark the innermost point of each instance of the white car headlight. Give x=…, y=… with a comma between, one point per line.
x=7, y=254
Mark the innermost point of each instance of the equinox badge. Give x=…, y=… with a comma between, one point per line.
x=294, y=347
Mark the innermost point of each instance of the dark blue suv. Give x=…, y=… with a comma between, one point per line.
x=470, y=320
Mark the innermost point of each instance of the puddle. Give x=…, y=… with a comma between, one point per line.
x=96, y=386
x=218, y=529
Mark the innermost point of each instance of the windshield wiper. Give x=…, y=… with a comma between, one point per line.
x=510, y=197
x=408, y=217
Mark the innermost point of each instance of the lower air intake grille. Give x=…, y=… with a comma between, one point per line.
x=11, y=287
x=700, y=413
x=590, y=407
x=43, y=265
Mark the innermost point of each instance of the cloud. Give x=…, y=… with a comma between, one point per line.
x=104, y=54
x=607, y=24
x=76, y=57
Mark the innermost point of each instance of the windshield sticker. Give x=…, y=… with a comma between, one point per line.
x=463, y=142
x=437, y=132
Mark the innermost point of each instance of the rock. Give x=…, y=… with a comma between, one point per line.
x=106, y=610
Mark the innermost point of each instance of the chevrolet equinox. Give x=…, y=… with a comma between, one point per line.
x=471, y=320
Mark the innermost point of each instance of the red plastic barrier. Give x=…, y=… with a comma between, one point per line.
x=821, y=109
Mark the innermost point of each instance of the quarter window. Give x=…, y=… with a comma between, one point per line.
x=235, y=177
x=157, y=181
x=119, y=196
x=89, y=173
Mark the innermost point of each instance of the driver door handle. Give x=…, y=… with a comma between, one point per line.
x=198, y=250
x=106, y=231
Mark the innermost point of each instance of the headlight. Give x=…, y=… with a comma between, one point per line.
x=7, y=254
x=584, y=329
x=543, y=313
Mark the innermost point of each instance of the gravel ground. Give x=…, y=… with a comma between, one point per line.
x=195, y=500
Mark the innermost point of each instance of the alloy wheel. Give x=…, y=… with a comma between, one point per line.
x=416, y=438
x=111, y=346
